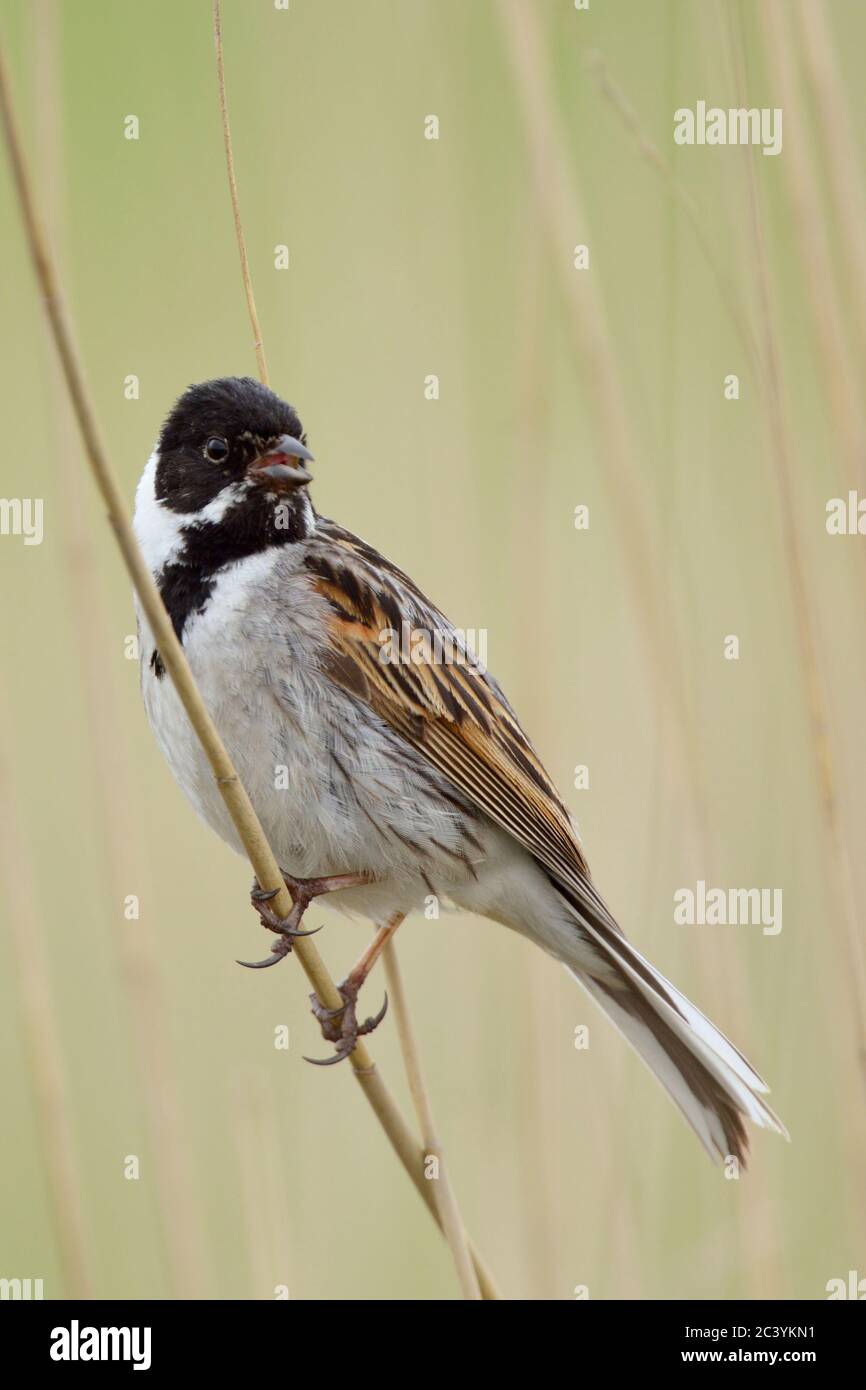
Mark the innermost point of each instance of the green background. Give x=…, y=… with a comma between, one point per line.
x=558, y=387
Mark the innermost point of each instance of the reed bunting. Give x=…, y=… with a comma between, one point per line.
x=380, y=777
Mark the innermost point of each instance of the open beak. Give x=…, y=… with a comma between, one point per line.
x=277, y=466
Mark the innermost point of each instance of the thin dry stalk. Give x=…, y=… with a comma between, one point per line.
x=838, y=865
x=839, y=150
x=530, y=508
x=728, y=291
x=231, y=789
x=844, y=390
x=262, y=1170
x=43, y=1047
x=273, y=1161
x=233, y=190
x=446, y=1200
x=730, y=296
x=182, y=1224
x=565, y=220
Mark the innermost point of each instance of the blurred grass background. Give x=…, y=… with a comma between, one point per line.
x=558, y=387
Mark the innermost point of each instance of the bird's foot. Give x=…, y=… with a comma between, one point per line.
x=305, y=889
x=288, y=929
x=340, y=1026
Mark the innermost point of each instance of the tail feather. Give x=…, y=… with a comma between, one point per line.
x=712, y=1083
x=711, y=1097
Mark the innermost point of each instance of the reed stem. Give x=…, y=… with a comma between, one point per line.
x=258, y=342
x=446, y=1205
x=446, y=1200
x=228, y=783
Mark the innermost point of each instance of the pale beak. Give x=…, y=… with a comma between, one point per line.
x=276, y=464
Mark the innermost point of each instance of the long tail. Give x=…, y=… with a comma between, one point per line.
x=711, y=1082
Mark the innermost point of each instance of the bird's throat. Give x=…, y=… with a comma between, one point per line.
x=258, y=522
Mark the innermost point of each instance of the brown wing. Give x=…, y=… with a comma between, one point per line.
x=452, y=712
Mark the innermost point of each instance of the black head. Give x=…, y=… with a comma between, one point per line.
x=230, y=467
x=231, y=434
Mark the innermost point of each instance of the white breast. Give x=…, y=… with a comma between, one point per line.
x=335, y=789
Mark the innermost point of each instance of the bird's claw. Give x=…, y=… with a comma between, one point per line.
x=303, y=891
x=262, y=895
x=340, y=1026
x=279, y=949
x=287, y=928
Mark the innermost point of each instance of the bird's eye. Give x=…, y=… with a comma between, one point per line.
x=216, y=450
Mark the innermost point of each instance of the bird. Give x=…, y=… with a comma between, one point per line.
x=383, y=771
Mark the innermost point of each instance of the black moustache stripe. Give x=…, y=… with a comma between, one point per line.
x=250, y=527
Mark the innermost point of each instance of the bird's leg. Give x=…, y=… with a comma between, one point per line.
x=303, y=891
x=340, y=1026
